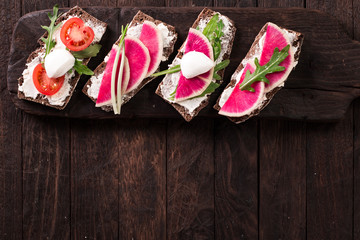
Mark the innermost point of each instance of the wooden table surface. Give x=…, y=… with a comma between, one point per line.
x=168, y=179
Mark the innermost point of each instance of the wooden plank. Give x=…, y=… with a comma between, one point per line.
x=356, y=9
x=320, y=88
x=10, y=135
x=330, y=180
x=36, y=5
x=235, y=3
x=236, y=172
x=190, y=180
x=187, y=3
x=236, y=180
x=142, y=179
x=46, y=181
x=330, y=171
x=94, y=179
x=281, y=3
x=356, y=210
x=46, y=192
x=282, y=164
x=341, y=9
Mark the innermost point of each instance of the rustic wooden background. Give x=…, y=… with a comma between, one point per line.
x=167, y=179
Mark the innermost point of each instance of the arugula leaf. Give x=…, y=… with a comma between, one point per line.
x=213, y=32
x=81, y=68
x=210, y=89
x=174, y=69
x=90, y=51
x=259, y=75
x=216, y=76
x=221, y=65
x=49, y=43
x=211, y=26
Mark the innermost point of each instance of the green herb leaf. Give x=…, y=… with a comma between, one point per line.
x=81, y=68
x=49, y=43
x=90, y=51
x=259, y=75
x=210, y=89
x=221, y=65
x=211, y=26
x=216, y=76
x=174, y=69
x=213, y=32
x=172, y=95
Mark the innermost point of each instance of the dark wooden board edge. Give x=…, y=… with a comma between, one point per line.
x=293, y=102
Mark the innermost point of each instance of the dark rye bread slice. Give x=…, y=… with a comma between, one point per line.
x=204, y=14
x=75, y=11
x=139, y=18
x=296, y=42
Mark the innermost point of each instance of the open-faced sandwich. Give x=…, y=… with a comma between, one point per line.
x=199, y=66
x=261, y=74
x=53, y=70
x=134, y=57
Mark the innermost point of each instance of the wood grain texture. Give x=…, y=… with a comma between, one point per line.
x=94, y=184
x=46, y=180
x=190, y=180
x=319, y=89
x=36, y=5
x=356, y=8
x=330, y=180
x=281, y=3
x=236, y=180
x=142, y=179
x=356, y=166
x=188, y=3
x=10, y=135
x=341, y=9
x=235, y=3
x=282, y=171
x=330, y=190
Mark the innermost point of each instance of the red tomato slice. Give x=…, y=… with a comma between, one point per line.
x=75, y=35
x=44, y=84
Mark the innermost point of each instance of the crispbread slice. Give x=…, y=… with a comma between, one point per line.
x=40, y=98
x=206, y=14
x=139, y=18
x=296, y=42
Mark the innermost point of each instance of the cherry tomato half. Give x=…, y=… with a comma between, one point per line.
x=44, y=84
x=75, y=35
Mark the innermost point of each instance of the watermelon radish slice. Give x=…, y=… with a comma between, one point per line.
x=151, y=37
x=104, y=96
x=275, y=37
x=240, y=102
x=139, y=61
x=189, y=88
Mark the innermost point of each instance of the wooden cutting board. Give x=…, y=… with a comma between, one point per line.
x=325, y=82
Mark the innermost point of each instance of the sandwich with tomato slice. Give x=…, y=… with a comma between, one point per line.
x=53, y=70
